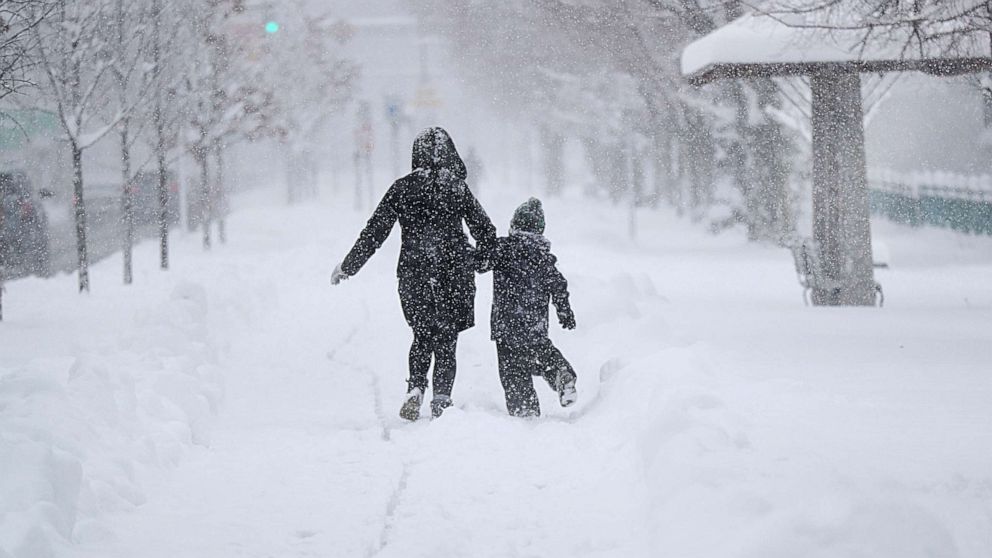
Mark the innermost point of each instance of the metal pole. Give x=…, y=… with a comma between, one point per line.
x=841, y=225
x=394, y=145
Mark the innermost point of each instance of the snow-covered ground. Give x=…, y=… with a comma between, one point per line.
x=240, y=406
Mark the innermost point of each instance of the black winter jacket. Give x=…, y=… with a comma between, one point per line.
x=436, y=264
x=525, y=279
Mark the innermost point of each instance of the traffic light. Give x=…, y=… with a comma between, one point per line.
x=272, y=27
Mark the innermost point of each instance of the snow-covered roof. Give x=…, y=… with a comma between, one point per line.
x=761, y=45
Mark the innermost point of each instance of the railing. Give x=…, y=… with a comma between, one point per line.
x=940, y=199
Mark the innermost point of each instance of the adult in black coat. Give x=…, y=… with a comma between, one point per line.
x=436, y=269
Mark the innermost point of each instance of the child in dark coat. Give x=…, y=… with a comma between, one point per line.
x=525, y=279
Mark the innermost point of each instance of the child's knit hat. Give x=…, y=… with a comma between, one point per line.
x=529, y=217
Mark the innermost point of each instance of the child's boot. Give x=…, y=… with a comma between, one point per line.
x=566, y=389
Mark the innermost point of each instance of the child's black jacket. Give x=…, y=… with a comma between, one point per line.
x=525, y=279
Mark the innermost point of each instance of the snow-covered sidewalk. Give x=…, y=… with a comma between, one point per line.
x=240, y=406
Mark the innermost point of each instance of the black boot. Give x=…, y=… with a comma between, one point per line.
x=411, y=405
x=565, y=383
x=439, y=404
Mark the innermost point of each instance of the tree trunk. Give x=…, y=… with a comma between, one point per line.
x=662, y=151
x=206, y=204
x=738, y=159
x=394, y=146
x=80, y=217
x=127, y=206
x=680, y=172
x=363, y=180
x=553, y=144
x=358, y=181
x=841, y=227
x=313, y=174
x=163, y=200
x=699, y=153
x=220, y=193
x=2, y=262
x=770, y=149
x=158, y=121
x=616, y=167
x=630, y=170
x=638, y=178
x=291, y=174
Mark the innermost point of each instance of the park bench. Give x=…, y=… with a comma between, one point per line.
x=809, y=270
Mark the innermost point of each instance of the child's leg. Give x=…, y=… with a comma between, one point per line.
x=552, y=363
x=515, y=364
x=445, y=347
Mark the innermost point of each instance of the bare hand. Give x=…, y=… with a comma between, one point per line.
x=337, y=275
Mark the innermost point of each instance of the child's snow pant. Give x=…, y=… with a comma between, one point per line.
x=441, y=345
x=518, y=364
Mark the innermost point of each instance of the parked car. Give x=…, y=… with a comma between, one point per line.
x=103, y=199
x=24, y=235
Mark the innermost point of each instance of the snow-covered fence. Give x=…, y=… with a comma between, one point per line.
x=941, y=199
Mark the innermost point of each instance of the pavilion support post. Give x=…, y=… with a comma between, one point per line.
x=841, y=225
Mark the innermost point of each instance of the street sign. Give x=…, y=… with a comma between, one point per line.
x=427, y=98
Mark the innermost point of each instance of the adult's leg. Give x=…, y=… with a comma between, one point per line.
x=445, y=349
x=515, y=373
x=420, y=359
x=419, y=311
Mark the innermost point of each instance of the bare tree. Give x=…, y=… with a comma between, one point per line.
x=18, y=20
x=924, y=28
x=76, y=63
x=133, y=72
x=228, y=102
x=919, y=27
x=166, y=51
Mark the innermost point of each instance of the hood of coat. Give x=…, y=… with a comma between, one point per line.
x=536, y=240
x=435, y=153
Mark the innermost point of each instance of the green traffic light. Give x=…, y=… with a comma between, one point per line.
x=272, y=27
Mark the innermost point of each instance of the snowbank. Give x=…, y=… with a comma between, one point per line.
x=98, y=390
